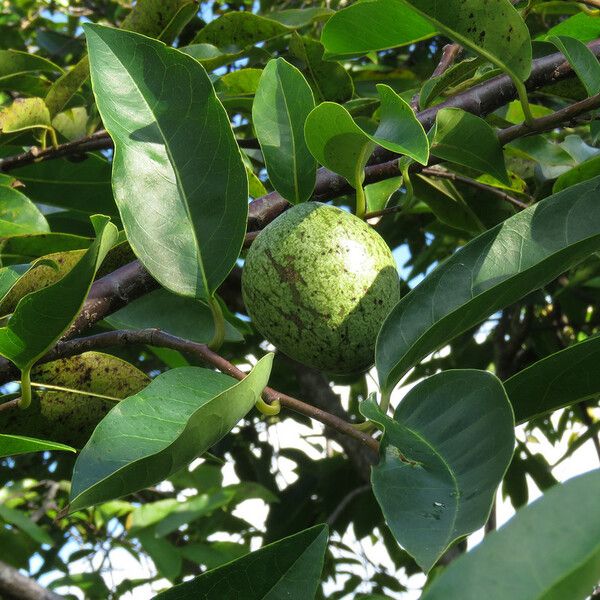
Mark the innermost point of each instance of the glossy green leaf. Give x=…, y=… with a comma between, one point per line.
x=19, y=519
x=581, y=26
x=328, y=79
x=19, y=215
x=14, y=62
x=561, y=379
x=11, y=445
x=492, y=271
x=42, y=317
x=65, y=184
x=290, y=569
x=183, y=317
x=188, y=231
x=582, y=172
x=281, y=105
x=442, y=458
x=374, y=25
x=23, y=114
x=467, y=140
x=338, y=143
x=81, y=390
x=492, y=28
x=148, y=437
x=560, y=534
x=583, y=61
x=398, y=129
x=235, y=31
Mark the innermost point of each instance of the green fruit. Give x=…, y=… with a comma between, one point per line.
x=318, y=283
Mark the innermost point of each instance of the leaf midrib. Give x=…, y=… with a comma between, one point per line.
x=450, y=472
x=172, y=163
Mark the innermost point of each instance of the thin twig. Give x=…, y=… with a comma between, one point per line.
x=474, y=183
x=449, y=54
x=162, y=339
x=100, y=140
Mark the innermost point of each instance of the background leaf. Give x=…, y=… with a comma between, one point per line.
x=373, y=25
x=18, y=214
x=235, y=31
x=558, y=380
x=71, y=417
x=149, y=436
x=490, y=272
x=560, y=533
x=584, y=63
x=10, y=445
x=467, y=140
x=289, y=568
x=183, y=317
x=189, y=231
x=442, y=458
x=43, y=316
x=282, y=103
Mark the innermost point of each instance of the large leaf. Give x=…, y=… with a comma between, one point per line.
x=181, y=190
x=491, y=28
x=468, y=140
x=41, y=317
x=183, y=317
x=282, y=103
x=583, y=61
x=442, y=458
x=10, y=445
x=550, y=550
x=492, y=271
x=19, y=215
x=78, y=392
x=561, y=379
x=377, y=25
x=149, y=436
x=290, y=569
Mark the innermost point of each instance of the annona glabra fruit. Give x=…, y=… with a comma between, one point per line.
x=318, y=283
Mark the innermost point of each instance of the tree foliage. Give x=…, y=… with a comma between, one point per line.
x=144, y=146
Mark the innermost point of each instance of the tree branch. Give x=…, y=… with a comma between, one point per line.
x=16, y=586
x=155, y=337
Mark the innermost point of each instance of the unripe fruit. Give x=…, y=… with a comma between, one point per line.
x=318, y=283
